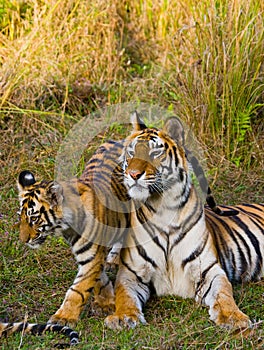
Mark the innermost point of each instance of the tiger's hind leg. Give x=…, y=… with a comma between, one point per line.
x=91, y=262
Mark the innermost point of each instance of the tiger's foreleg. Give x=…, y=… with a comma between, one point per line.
x=90, y=262
x=217, y=293
x=104, y=296
x=131, y=293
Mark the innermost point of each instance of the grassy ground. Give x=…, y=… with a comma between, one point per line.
x=62, y=60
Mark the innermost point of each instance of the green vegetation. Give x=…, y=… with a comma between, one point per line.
x=61, y=60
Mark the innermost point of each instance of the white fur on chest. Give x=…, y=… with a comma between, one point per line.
x=170, y=276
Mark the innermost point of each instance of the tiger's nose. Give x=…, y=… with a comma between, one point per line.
x=135, y=174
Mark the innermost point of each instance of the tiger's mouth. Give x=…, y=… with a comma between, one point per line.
x=37, y=242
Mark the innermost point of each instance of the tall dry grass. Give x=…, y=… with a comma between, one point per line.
x=204, y=58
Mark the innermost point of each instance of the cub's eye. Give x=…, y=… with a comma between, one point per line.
x=156, y=153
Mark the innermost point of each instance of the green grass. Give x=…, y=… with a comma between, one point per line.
x=62, y=60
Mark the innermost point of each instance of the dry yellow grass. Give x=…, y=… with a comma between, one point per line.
x=204, y=59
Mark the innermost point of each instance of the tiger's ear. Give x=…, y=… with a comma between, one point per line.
x=54, y=193
x=174, y=128
x=137, y=123
x=25, y=179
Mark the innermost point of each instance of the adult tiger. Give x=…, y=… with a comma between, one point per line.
x=174, y=248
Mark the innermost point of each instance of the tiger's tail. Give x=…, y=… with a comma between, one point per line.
x=37, y=329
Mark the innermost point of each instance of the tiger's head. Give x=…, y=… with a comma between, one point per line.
x=153, y=159
x=40, y=209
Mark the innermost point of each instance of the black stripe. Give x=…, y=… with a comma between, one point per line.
x=195, y=253
x=84, y=249
x=226, y=255
x=76, y=291
x=46, y=215
x=51, y=211
x=250, y=205
x=141, y=216
x=132, y=271
x=258, y=224
x=252, y=214
x=183, y=234
x=143, y=296
x=186, y=194
x=209, y=288
x=144, y=255
x=223, y=250
x=87, y=261
x=254, y=242
x=156, y=240
x=243, y=261
x=38, y=329
x=202, y=279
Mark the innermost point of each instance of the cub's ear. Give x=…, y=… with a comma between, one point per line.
x=137, y=123
x=174, y=128
x=54, y=193
x=25, y=179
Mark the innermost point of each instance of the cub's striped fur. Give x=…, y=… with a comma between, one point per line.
x=92, y=213
x=177, y=247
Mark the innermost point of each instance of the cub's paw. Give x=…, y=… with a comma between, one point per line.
x=113, y=258
x=118, y=322
x=63, y=320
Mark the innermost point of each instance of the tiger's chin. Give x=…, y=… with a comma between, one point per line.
x=139, y=193
x=37, y=244
x=34, y=246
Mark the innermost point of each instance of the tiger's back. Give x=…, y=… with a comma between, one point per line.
x=239, y=241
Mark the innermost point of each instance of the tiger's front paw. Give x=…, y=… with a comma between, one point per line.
x=232, y=319
x=63, y=319
x=102, y=306
x=121, y=321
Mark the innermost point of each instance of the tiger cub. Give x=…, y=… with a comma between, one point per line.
x=92, y=213
x=177, y=247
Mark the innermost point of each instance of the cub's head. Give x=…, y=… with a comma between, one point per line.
x=40, y=209
x=154, y=160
